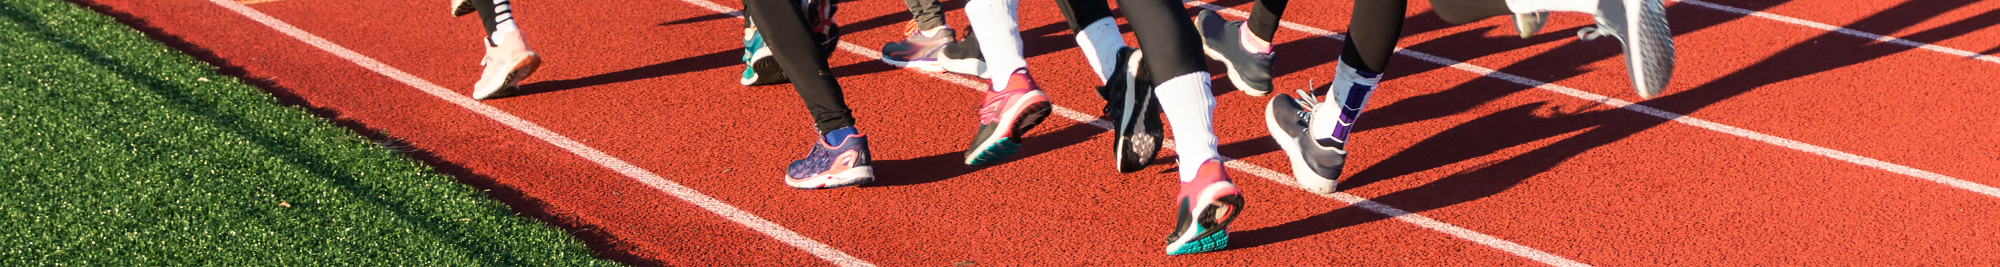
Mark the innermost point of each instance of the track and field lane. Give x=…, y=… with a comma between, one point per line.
x=1674, y=222
x=1718, y=63
x=494, y=155
x=1617, y=82
x=1959, y=28
x=1401, y=248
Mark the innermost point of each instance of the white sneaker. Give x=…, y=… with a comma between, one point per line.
x=1641, y=29
x=507, y=62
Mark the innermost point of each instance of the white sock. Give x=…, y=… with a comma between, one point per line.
x=1100, y=42
x=503, y=19
x=1189, y=105
x=1530, y=6
x=994, y=22
x=1341, y=98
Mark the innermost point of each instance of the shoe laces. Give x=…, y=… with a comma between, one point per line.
x=1307, y=99
x=1306, y=102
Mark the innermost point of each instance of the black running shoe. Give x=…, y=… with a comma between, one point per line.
x=1128, y=97
x=1222, y=40
x=1313, y=166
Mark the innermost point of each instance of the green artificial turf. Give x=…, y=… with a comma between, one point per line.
x=116, y=150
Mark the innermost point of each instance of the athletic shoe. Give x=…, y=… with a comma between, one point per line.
x=973, y=65
x=1527, y=24
x=1641, y=29
x=1314, y=133
x=507, y=62
x=1313, y=166
x=1222, y=40
x=819, y=20
x=759, y=66
x=461, y=7
x=1128, y=98
x=1203, y=211
x=926, y=53
x=830, y=166
x=1005, y=117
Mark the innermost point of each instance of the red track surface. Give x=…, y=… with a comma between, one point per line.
x=652, y=83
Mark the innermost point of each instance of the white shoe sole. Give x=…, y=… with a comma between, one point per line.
x=517, y=70
x=853, y=176
x=1288, y=141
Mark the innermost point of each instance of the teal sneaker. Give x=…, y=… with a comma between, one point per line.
x=1204, y=210
x=759, y=67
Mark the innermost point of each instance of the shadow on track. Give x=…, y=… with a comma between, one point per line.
x=720, y=59
x=1525, y=124
x=699, y=19
x=939, y=167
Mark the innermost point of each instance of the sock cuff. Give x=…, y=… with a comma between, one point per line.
x=1355, y=75
x=1100, y=41
x=1190, y=109
x=995, y=24
x=838, y=136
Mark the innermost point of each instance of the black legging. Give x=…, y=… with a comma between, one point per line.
x=784, y=29
x=1376, y=25
x=1166, y=35
x=486, y=15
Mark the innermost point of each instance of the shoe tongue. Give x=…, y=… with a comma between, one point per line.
x=836, y=137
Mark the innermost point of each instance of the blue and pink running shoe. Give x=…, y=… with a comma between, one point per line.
x=831, y=165
x=927, y=53
x=1204, y=210
x=1006, y=116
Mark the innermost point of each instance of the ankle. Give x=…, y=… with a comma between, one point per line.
x=1252, y=43
x=838, y=137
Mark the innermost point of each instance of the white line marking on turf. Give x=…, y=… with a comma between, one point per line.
x=1260, y=171
x=740, y=216
x=1843, y=30
x=1683, y=119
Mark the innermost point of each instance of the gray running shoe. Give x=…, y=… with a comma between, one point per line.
x=1641, y=29
x=1528, y=24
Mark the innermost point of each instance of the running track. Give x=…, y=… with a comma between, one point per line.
x=1806, y=132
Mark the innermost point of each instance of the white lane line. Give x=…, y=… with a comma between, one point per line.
x=1676, y=117
x=740, y=216
x=1844, y=30
x=1260, y=171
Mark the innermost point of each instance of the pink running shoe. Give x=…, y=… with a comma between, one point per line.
x=1006, y=116
x=1204, y=210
